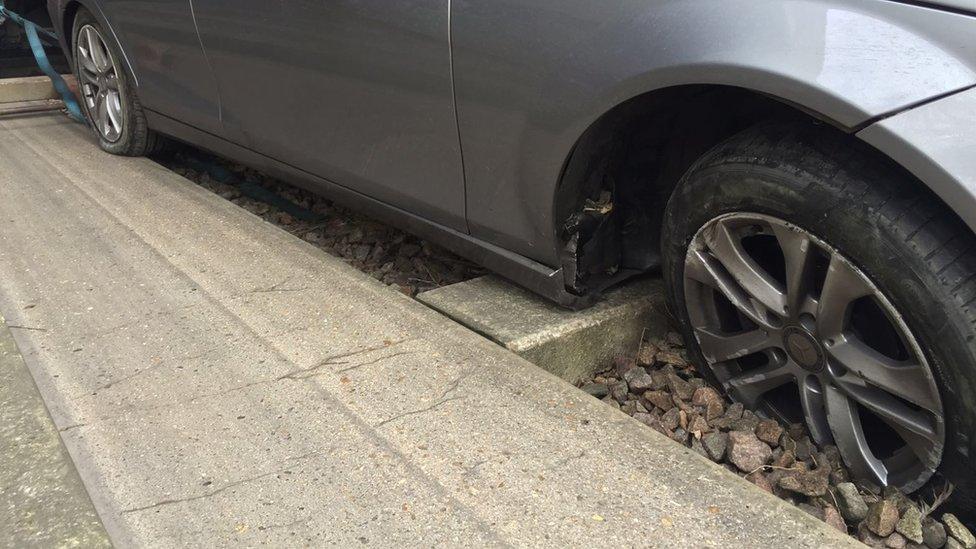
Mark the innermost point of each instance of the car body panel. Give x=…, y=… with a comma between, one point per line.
x=937, y=143
x=532, y=76
x=965, y=5
x=372, y=90
x=164, y=54
x=356, y=91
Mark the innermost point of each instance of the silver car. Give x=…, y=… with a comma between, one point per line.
x=803, y=172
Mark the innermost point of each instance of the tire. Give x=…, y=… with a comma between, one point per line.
x=131, y=136
x=858, y=206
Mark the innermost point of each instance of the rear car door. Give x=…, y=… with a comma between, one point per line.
x=358, y=92
x=161, y=45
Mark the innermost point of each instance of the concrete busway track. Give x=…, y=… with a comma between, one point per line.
x=219, y=382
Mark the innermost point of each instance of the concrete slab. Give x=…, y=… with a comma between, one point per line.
x=570, y=344
x=42, y=500
x=220, y=383
x=28, y=88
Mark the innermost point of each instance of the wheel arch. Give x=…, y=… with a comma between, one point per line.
x=638, y=150
x=69, y=11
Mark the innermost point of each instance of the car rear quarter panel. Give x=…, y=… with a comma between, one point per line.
x=530, y=77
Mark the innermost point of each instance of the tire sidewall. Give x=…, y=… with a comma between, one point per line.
x=726, y=181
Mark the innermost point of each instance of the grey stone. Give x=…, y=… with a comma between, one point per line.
x=638, y=380
x=784, y=458
x=715, y=444
x=623, y=364
x=697, y=425
x=646, y=354
x=680, y=435
x=910, y=524
x=769, y=431
x=747, y=452
x=646, y=419
x=598, y=390
x=671, y=419
x=808, y=483
x=660, y=399
x=896, y=541
x=833, y=517
x=851, y=503
x=934, y=534
x=882, y=517
x=812, y=510
x=630, y=407
x=734, y=411
x=680, y=388
x=759, y=479
x=619, y=391
x=803, y=448
x=869, y=538
x=957, y=530
x=713, y=402
x=748, y=422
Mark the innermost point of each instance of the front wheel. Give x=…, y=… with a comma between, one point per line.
x=108, y=96
x=818, y=283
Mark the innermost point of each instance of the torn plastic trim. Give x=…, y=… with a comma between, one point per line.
x=592, y=251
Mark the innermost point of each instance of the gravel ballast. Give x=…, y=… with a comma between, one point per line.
x=398, y=259
x=660, y=388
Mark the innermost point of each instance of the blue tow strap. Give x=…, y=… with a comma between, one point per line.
x=33, y=38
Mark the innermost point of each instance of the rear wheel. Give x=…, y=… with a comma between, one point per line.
x=822, y=285
x=108, y=96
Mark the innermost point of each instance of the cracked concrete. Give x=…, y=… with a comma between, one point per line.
x=183, y=398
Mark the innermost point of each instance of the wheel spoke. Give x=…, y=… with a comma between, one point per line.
x=917, y=428
x=99, y=56
x=102, y=114
x=906, y=379
x=700, y=266
x=814, y=406
x=747, y=274
x=797, y=250
x=114, y=110
x=719, y=347
x=87, y=63
x=842, y=286
x=845, y=424
x=749, y=387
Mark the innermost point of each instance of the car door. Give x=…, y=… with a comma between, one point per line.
x=161, y=45
x=358, y=92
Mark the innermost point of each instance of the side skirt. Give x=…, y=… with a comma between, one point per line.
x=525, y=272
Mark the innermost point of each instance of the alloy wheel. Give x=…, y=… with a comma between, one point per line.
x=791, y=327
x=99, y=83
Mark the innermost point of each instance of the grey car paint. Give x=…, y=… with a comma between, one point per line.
x=164, y=53
x=529, y=78
x=931, y=142
x=356, y=92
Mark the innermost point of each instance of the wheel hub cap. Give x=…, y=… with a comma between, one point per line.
x=791, y=327
x=803, y=349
